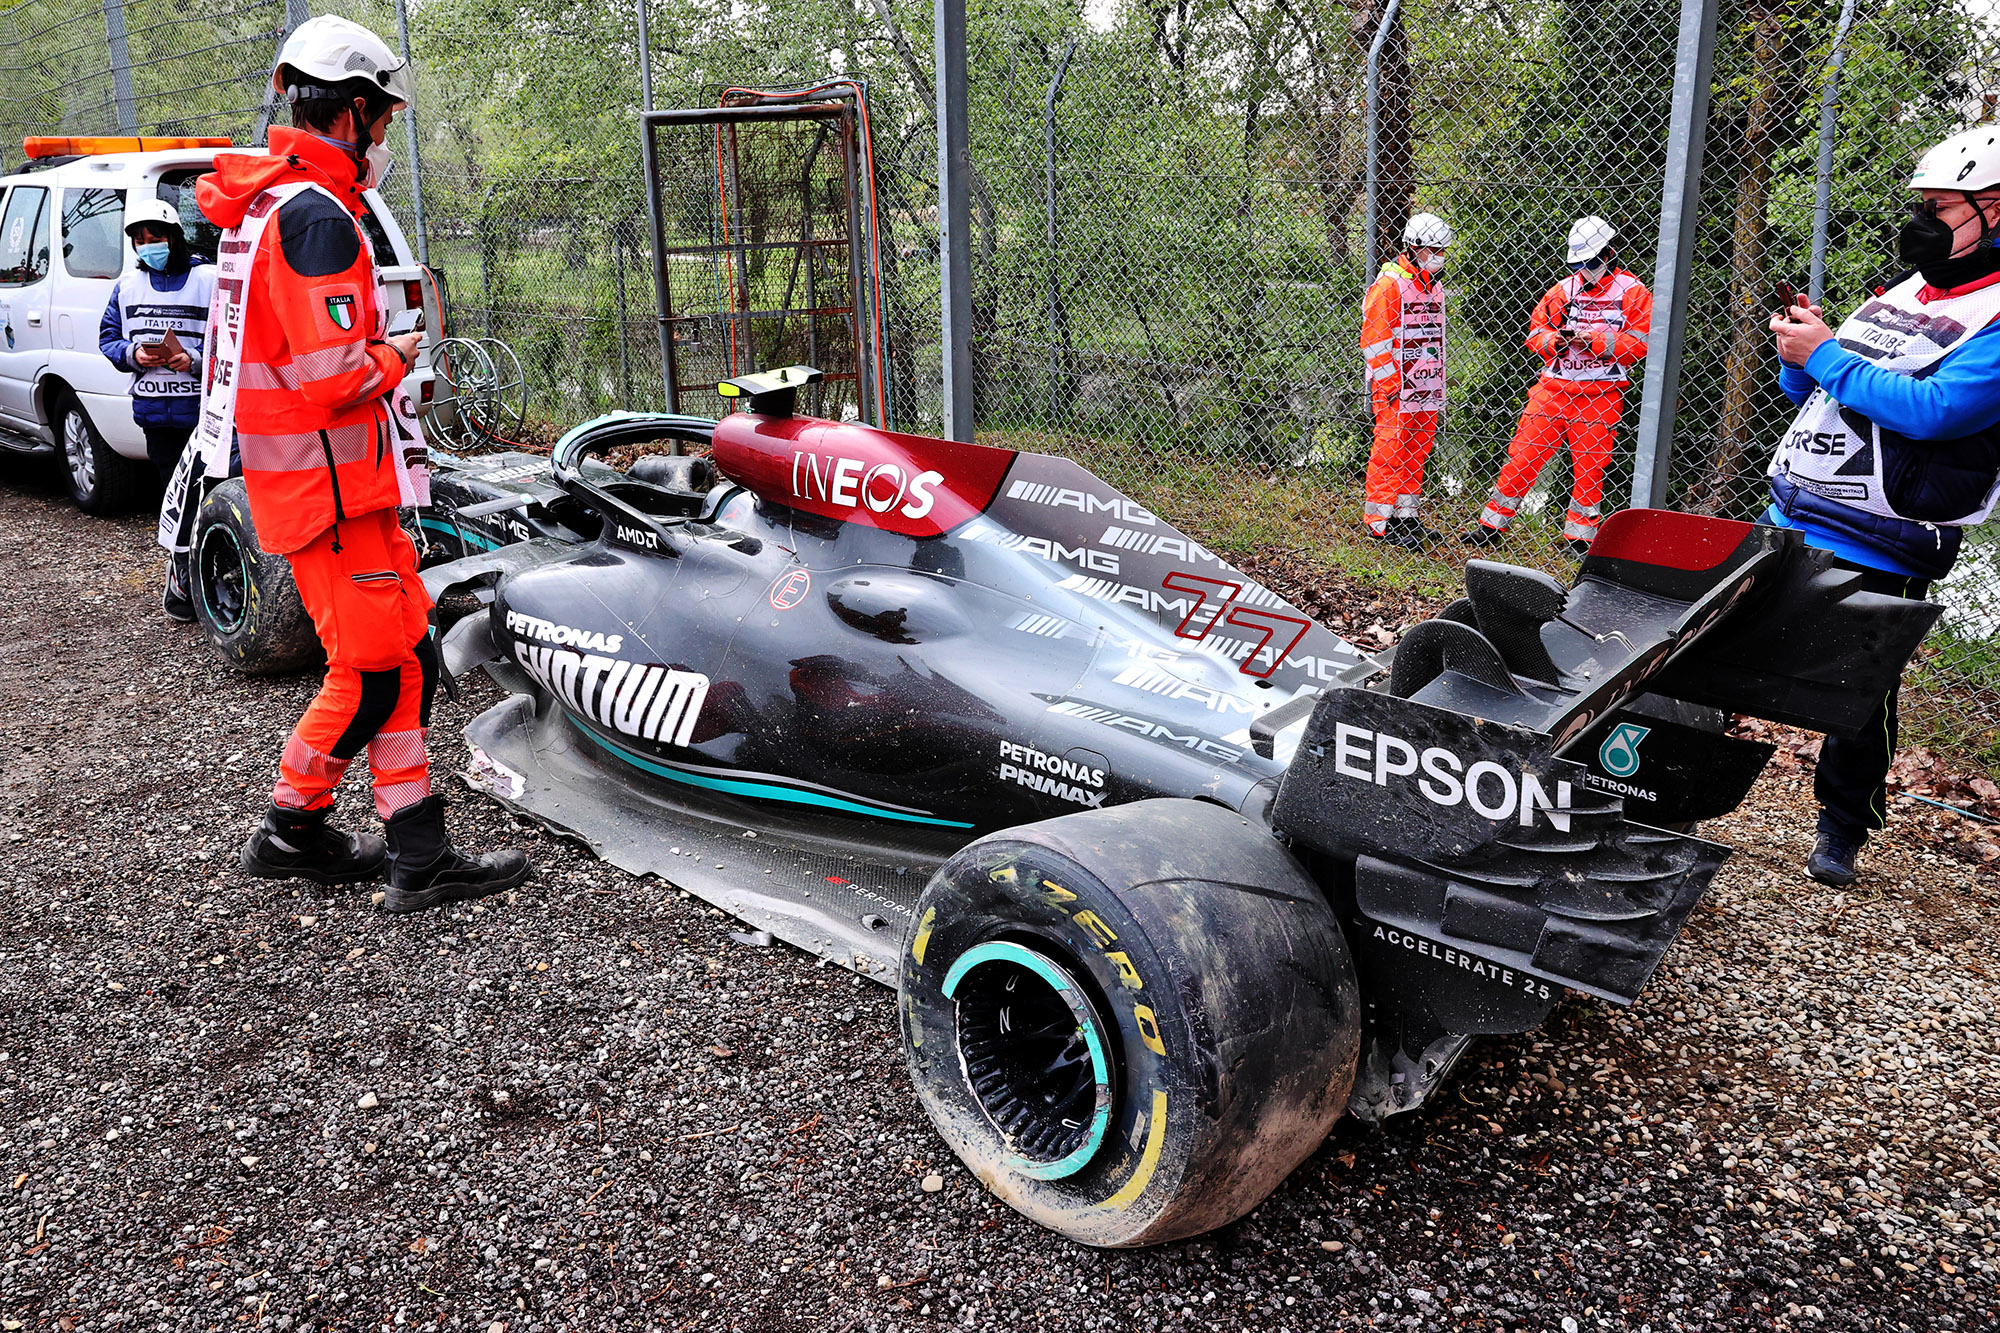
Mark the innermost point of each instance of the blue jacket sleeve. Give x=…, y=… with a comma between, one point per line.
x=1960, y=397
x=111, y=334
x=1795, y=383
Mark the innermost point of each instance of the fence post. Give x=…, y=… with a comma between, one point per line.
x=1829, y=104
x=121, y=66
x=1374, y=176
x=1059, y=356
x=649, y=156
x=296, y=12
x=624, y=351
x=410, y=134
x=954, y=219
x=1680, y=200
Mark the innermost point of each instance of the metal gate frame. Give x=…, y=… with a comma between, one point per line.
x=837, y=112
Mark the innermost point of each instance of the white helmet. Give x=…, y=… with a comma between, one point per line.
x=1588, y=237
x=332, y=50
x=1968, y=161
x=1428, y=229
x=152, y=213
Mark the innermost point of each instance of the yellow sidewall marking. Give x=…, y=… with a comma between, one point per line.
x=1142, y=1175
x=923, y=940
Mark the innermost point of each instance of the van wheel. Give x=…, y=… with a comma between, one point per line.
x=1130, y=1024
x=244, y=597
x=101, y=481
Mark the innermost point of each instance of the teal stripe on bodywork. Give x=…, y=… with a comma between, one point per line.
x=473, y=538
x=763, y=791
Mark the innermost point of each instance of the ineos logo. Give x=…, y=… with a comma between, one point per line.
x=854, y=483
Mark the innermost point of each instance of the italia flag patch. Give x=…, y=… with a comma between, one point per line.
x=340, y=309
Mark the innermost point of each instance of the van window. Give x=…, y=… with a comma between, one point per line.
x=93, y=232
x=177, y=188
x=24, y=237
x=378, y=236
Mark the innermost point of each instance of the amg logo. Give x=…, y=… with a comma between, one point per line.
x=639, y=537
x=533, y=627
x=1155, y=681
x=1157, y=543
x=1057, y=497
x=853, y=483
x=1145, y=726
x=654, y=703
x=1370, y=756
x=1083, y=557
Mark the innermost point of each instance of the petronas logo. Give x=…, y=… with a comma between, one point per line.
x=1620, y=752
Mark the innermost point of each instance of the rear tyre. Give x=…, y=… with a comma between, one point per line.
x=244, y=597
x=100, y=480
x=1130, y=1024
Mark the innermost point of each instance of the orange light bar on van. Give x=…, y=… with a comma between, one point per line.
x=93, y=145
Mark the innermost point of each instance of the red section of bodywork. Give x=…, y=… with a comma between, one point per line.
x=911, y=484
x=1669, y=539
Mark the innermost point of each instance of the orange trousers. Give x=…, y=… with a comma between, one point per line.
x=1559, y=412
x=1396, y=463
x=359, y=582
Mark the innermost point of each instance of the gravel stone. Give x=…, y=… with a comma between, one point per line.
x=1794, y=1129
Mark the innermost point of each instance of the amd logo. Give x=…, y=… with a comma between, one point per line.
x=639, y=537
x=853, y=484
x=1492, y=790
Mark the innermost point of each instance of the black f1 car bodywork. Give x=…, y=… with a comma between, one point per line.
x=1168, y=874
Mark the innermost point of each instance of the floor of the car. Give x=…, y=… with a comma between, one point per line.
x=811, y=883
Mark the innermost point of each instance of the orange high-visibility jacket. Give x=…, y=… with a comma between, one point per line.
x=1382, y=323
x=1616, y=312
x=312, y=398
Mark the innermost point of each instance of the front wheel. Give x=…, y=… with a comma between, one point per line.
x=244, y=596
x=1130, y=1024
x=101, y=481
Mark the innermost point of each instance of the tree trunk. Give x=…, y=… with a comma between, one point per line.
x=1713, y=492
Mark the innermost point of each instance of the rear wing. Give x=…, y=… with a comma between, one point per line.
x=1501, y=796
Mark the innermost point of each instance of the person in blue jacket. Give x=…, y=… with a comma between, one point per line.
x=166, y=296
x=1896, y=445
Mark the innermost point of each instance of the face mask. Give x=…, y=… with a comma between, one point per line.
x=1431, y=263
x=379, y=160
x=154, y=255
x=1925, y=240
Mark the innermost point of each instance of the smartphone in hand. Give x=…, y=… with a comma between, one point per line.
x=406, y=321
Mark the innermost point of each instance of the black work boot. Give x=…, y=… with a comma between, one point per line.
x=424, y=871
x=300, y=844
x=1481, y=535
x=1832, y=860
x=175, y=598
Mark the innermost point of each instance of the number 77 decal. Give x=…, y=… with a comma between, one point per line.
x=1201, y=620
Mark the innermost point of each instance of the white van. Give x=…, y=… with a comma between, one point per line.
x=62, y=247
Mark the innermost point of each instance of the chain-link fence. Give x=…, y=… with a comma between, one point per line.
x=1171, y=239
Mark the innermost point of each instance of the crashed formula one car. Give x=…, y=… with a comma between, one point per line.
x=1167, y=875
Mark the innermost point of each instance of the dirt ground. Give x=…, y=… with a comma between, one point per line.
x=230, y=1103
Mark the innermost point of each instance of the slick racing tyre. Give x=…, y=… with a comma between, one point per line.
x=1130, y=1024
x=100, y=480
x=243, y=596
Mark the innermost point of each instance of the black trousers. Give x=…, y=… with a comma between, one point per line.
x=163, y=448
x=1849, y=782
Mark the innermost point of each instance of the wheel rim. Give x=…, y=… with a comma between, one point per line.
x=77, y=451
x=224, y=576
x=1033, y=1052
